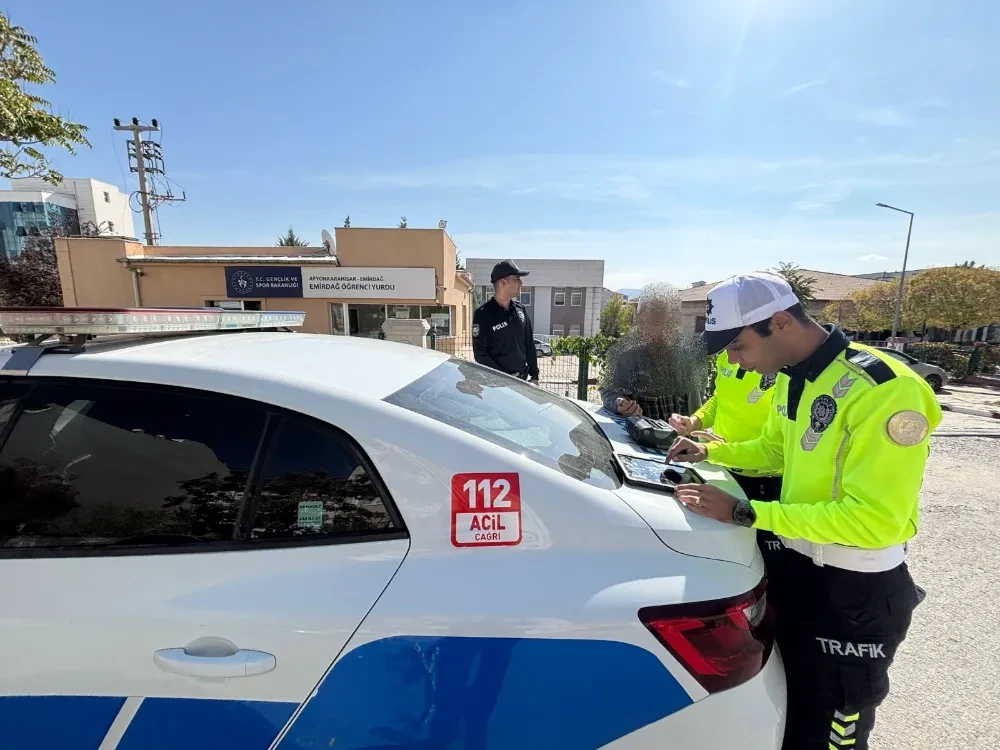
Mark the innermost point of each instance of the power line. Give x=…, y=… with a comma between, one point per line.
x=147, y=156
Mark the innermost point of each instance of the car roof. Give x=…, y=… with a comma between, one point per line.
x=365, y=367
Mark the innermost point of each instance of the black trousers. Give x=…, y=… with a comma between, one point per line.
x=838, y=631
x=761, y=488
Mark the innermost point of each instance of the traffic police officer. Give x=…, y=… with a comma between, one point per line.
x=850, y=428
x=501, y=329
x=736, y=412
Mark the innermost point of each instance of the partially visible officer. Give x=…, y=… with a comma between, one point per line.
x=501, y=329
x=737, y=411
x=850, y=428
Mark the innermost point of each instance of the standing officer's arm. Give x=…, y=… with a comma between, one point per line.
x=480, y=333
x=529, y=348
x=706, y=414
x=881, y=477
x=764, y=453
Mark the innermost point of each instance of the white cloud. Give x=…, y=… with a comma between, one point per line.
x=802, y=87
x=885, y=117
x=814, y=181
x=673, y=81
x=721, y=245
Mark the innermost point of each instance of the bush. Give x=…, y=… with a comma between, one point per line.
x=594, y=349
x=947, y=356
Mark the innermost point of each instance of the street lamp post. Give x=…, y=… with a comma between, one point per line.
x=902, y=275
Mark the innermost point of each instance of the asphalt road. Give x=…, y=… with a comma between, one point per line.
x=945, y=682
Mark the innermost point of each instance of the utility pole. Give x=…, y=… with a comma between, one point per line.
x=148, y=158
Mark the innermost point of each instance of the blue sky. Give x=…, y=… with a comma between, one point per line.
x=677, y=140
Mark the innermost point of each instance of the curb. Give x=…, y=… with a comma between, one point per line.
x=972, y=412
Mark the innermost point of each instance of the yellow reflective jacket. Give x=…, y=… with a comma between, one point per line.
x=739, y=407
x=850, y=426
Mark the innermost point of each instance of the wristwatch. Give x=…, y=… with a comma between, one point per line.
x=743, y=514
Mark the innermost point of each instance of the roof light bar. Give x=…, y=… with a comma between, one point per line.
x=96, y=321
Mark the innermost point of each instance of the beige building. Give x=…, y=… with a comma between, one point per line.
x=374, y=274
x=829, y=287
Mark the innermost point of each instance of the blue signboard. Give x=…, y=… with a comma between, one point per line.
x=263, y=281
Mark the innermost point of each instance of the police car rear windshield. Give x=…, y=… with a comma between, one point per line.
x=514, y=415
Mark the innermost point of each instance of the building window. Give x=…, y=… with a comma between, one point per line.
x=107, y=197
x=234, y=304
x=526, y=297
x=439, y=318
x=558, y=330
x=111, y=224
x=337, y=326
x=574, y=330
x=576, y=299
x=559, y=297
x=699, y=324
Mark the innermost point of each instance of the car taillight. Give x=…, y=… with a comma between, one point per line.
x=722, y=643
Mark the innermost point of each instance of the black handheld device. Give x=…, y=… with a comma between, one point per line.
x=651, y=433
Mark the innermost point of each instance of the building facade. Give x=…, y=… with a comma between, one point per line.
x=562, y=297
x=33, y=206
x=376, y=274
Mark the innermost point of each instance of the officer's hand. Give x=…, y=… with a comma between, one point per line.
x=684, y=425
x=628, y=408
x=706, y=500
x=687, y=450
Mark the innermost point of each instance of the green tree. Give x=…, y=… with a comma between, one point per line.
x=291, y=240
x=26, y=119
x=347, y=222
x=956, y=298
x=402, y=222
x=459, y=265
x=616, y=317
x=875, y=308
x=802, y=284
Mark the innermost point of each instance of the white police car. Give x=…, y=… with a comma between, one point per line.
x=278, y=540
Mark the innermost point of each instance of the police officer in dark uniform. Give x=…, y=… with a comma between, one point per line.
x=501, y=329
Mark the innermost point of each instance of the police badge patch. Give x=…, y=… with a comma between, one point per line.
x=767, y=381
x=824, y=409
x=907, y=428
x=475, y=329
x=520, y=314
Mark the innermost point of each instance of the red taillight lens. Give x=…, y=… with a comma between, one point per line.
x=721, y=643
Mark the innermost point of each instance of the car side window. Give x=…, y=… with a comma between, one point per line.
x=91, y=465
x=313, y=484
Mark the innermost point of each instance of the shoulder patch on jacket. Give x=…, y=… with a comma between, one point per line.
x=875, y=368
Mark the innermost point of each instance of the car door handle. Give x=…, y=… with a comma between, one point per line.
x=244, y=663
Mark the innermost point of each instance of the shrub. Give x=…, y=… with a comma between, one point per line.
x=944, y=355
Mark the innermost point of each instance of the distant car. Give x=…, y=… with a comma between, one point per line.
x=935, y=376
x=543, y=348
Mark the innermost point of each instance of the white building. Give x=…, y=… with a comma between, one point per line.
x=562, y=297
x=33, y=205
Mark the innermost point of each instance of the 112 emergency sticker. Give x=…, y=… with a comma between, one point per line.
x=486, y=510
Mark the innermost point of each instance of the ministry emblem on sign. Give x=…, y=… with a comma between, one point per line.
x=242, y=282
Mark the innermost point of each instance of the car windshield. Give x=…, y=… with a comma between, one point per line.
x=514, y=415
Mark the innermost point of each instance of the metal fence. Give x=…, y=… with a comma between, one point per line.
x=564, y=374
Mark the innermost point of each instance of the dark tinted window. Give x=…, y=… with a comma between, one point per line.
x=101, y=464
x=314, y=484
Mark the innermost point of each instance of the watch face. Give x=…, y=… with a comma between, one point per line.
x=743, y=514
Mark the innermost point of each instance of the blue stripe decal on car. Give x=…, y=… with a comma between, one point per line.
x=485, y=694
x=204, y=724
x=56, y=721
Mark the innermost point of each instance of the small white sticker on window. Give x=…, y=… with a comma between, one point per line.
x=311, y=514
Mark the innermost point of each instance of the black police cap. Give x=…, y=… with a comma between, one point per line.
x=506, y=268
